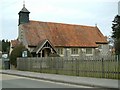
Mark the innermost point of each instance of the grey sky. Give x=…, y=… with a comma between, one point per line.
x=119, y=8
x=83, y=12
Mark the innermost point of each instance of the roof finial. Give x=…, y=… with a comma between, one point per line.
x=23, y=3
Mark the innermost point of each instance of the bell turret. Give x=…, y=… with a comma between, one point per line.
x=23, y=15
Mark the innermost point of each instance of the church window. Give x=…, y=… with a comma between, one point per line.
x=88, y=50
x=74, y=51
x=60, y=51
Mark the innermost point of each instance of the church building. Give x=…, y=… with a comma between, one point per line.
x=66, y=40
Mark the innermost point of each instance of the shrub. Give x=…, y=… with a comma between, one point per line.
x=17, y=52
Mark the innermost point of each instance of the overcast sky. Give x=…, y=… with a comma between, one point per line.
x=83, y=12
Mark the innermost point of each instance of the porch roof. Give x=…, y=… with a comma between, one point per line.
x=41, y=45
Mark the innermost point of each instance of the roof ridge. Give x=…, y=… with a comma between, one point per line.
x=64, y=23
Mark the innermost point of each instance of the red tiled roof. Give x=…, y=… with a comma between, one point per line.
x=15, y=43
x=66, y=35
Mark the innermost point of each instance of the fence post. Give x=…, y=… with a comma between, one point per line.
x=118, y=66
x=40, y=60
x=17, y=64
x=72, y=67
x=102, y=68
x=56, y=66
x=118, y=59
x=77, y=67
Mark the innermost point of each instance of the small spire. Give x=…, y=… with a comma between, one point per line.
x=23, y=3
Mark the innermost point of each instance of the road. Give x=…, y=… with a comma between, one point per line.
x=11, y=81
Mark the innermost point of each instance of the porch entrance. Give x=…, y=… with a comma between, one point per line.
x=46, y=52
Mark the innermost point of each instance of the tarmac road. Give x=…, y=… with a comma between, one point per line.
x=11, y=81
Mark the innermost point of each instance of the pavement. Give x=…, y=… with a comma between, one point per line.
x=86, y=81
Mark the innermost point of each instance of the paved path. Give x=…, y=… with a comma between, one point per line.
x=97, y=82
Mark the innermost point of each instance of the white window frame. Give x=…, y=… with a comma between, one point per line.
x=60, y=51
x=75, y=52
x=89, y=53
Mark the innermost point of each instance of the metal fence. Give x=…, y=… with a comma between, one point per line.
x=102, y=67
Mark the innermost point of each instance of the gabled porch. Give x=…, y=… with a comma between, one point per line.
x=44, y=49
